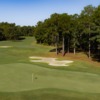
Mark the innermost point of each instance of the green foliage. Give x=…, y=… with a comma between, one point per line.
x=9, y=31
x=73, y=31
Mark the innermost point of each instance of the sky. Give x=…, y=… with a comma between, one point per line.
x=29, y=12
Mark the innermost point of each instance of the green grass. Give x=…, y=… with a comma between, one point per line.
x=79, y=81
x=49, y=94
x=18, y=77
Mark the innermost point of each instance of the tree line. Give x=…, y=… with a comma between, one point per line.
x=71, y=33
x=10, y=31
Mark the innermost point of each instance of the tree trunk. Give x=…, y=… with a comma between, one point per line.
x=89, y=49
x=68, y=46
x=74, y=49
x=56, y=46
x=63, y=46
x=89, y=55
x=74, y=43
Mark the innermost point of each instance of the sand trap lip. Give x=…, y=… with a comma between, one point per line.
x=5, y=46
x=50, y=61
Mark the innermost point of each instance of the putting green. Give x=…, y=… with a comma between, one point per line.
x=23, y=77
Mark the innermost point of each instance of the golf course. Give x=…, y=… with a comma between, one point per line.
x=23, y=79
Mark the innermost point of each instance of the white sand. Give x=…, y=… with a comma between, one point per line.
x=5, y=46
x=50, y=61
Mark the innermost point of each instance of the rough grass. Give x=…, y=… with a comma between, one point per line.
x=79, y=81
x=49, y=94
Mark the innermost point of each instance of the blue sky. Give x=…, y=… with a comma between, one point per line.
x=29, y=12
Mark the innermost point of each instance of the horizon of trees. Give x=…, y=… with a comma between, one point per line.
x=71, y=33
x=10, y=31
x=68, y=33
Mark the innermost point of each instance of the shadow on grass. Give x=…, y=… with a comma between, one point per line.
x=96, y=57
x=54, y=50
x=19, y=39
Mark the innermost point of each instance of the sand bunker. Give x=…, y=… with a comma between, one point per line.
x=5, y=46
x=50, y=61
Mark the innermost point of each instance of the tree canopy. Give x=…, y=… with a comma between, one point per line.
x=10, y=31
x=72, y=32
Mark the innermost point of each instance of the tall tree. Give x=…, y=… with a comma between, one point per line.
x=55, y=23
x=64, y=27
x=87, y=21
x=74, y=31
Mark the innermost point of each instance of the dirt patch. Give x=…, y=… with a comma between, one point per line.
x=50, y=61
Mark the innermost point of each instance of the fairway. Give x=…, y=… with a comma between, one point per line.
x=18, y=77
x=21, y=79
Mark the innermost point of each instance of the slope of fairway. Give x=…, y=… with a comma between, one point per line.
x=21, y=79
x=48, y=94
